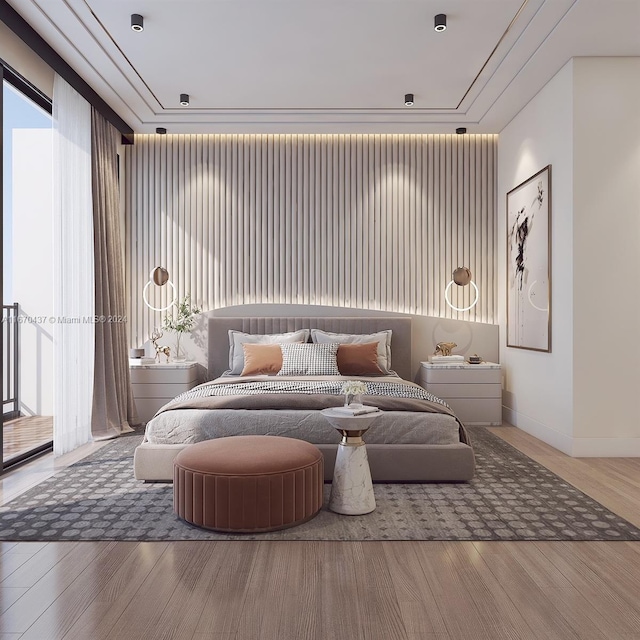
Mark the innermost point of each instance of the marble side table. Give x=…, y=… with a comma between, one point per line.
x=351, y=489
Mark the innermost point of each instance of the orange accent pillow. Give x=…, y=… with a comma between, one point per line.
x=261, y=359
x=358, y=359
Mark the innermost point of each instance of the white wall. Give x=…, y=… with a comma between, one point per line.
x=33, y=265
x=606, y=252
x=538, y=393
x=583, y=396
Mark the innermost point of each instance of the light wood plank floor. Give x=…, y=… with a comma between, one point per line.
x=325, y=590
x=24, y=434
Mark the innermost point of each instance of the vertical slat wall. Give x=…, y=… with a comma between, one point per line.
x=366, y=221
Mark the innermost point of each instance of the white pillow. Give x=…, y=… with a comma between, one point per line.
x=309, y=360
x=383, y=338
x=237, y=339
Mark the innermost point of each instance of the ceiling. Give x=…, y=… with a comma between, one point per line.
x=327, y=66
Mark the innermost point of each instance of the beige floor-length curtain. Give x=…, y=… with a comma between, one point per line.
x=113, y=404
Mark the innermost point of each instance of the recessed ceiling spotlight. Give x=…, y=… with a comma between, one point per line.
x=461, y=130
x=440, y=22
x=137, y=22
x=161, y=130
x=408, y=99
x=184, y=99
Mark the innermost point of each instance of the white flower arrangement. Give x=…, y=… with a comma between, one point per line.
x=354, y=387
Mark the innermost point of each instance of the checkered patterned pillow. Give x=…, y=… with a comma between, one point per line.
x=309, y=359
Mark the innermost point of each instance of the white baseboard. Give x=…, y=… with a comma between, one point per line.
x=538, y=430
x=574, y=447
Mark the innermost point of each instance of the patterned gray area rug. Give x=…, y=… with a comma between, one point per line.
x=511, y=498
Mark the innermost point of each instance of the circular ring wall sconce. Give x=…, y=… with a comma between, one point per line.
x=461, y=278
x=159, y=276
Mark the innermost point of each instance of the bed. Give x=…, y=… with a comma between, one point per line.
x=416, y=439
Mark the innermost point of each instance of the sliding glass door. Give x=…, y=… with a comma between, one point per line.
x=27, y=270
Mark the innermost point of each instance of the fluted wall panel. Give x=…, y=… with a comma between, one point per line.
x=367, y=221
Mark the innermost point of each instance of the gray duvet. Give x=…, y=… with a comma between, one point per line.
x=264, y=405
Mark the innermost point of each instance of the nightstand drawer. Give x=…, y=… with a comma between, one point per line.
x=460, y=376
x=147, y=407
x=445, y=391
x=476, y=411
x=160, y=390
x=155, y=385
x=474, y=392
x=162, y=375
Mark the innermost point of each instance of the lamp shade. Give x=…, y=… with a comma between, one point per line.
x=462, y=276
x=160, y=276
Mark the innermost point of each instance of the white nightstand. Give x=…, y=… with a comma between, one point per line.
x=473, y=391
x=155, y=384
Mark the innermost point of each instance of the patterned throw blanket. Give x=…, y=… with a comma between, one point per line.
x=284, y=386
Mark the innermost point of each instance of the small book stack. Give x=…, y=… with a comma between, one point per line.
x=447, y=359
x=137, y=362
x=355, y=411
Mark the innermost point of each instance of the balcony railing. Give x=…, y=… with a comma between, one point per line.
x=10, y=361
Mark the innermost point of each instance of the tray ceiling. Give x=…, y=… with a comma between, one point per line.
x=326, y=66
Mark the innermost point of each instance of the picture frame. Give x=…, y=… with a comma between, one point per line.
x=529, y=263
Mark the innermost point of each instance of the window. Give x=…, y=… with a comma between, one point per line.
x=27, y=268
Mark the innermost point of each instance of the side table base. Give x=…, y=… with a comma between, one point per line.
x=352, y=489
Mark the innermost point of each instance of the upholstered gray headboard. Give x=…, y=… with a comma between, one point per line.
x=218, y=361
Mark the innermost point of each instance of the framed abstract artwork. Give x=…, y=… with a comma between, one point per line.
x=529, y=263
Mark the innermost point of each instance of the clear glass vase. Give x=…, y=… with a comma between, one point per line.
x=179, y=354
x=353, y=400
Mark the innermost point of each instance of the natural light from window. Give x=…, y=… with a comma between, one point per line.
x=27, y=273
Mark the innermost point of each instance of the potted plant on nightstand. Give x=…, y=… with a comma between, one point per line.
x=181, y=320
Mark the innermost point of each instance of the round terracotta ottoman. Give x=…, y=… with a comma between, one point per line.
x=248, y=483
